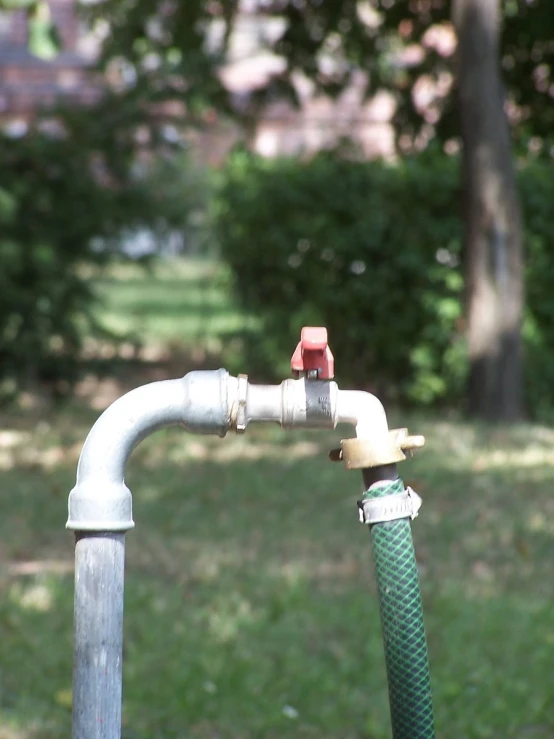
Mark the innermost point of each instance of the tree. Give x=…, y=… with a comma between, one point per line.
x=493, y=234
x=176, y=51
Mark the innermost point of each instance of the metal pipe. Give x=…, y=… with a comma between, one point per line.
x=364, y=411
x=100, y=500
x=293, y=404
x=205, y=402
x=264, y=403
x=100, y=504
x=98, y=635
x=100, y=511
x=316, y=404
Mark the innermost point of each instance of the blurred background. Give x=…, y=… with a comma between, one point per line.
x=185, y=185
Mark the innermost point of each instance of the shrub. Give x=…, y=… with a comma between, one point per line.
x=368, y=249
x=65, y=200
x=536, y=185
x=372, y=251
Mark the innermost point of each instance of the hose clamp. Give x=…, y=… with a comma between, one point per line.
x=389, y=507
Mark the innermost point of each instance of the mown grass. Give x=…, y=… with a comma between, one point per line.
x=182, y=306
x=250, y=600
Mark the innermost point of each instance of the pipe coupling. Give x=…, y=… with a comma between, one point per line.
x=360, y=454
x=309, y=404
x=97, y=506
x=298, y=403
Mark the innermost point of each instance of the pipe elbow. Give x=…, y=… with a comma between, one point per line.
x=364, y=411
x=100, y=500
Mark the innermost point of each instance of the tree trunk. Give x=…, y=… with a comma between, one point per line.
x=493, y=236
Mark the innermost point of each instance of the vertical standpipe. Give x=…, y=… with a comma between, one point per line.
x=98, y=635
x=100, y=512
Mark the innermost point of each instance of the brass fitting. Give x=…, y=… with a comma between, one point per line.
x=363, y=453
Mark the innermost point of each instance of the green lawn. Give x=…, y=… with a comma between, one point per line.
x=183, y=305
x=250, y=600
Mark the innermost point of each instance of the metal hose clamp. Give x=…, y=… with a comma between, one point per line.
x=389, y=507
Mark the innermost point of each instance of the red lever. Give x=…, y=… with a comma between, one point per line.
x=313, y=354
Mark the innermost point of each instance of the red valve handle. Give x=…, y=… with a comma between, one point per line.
x=312, y=355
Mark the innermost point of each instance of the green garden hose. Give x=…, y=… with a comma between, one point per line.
x=402, y=621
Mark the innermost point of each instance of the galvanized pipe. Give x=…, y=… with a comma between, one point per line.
x=316, y=404
x=264, y=403
x=293, y=404
x=100, y=512
x=98, y=635
x=100, y=500
x=100, y=504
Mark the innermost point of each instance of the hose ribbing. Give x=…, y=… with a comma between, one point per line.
x=402, y=621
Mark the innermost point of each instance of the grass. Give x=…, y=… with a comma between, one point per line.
x=180, y=305
x=250, y=600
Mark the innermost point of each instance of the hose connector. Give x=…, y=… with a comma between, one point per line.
x=384, y=449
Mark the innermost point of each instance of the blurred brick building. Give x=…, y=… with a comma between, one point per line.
x=319, y=122
x=28, y=83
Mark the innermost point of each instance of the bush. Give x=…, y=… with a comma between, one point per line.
x=65, y=201
x=372, y=251
x=536, y=185
x=367, y=249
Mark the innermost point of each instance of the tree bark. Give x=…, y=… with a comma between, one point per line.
x=493, y=253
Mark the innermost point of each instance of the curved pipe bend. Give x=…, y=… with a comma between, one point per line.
x=364, y=411
x=203, y=402
x=100, y=500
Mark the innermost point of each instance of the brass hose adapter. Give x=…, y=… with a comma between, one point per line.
x=394, y=447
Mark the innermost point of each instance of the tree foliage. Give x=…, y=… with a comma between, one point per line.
x=158, y=53
x=68, y=196
x=176, y=50
x=361, y=247
x=172, y=50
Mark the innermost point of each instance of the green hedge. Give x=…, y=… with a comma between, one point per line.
x=372, y=251
x=50, y=209
x=62, y=197
x=536, y=186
